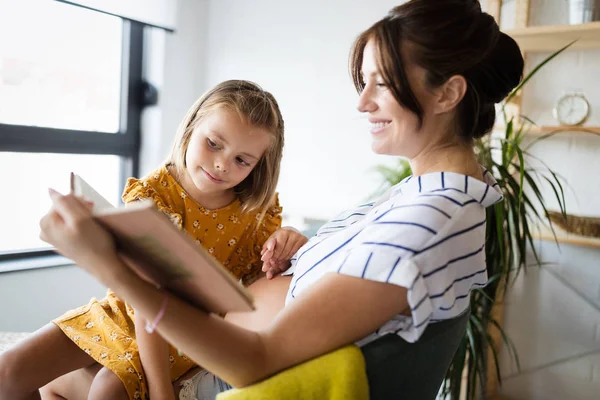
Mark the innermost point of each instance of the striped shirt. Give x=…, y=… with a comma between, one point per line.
x=426, y=234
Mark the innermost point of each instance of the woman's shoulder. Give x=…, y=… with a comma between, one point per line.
x=446, y=192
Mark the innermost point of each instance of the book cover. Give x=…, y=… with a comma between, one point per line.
x=151, y=245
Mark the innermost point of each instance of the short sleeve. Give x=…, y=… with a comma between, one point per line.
x=266, y=226
x=385, y=251
x=390, y=268
x=140, y=189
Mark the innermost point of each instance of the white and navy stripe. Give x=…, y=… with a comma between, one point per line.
x=427, y=235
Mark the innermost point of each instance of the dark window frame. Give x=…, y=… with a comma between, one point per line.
x=126, y=143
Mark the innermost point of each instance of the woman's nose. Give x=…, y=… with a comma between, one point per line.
x=366, y=102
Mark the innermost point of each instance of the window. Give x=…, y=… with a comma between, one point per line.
x=70, y=82
x=63, y=68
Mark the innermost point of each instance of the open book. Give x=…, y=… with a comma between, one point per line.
x=151, y=245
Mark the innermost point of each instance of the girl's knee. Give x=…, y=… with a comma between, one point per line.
x=11, y=369
x=107, y=385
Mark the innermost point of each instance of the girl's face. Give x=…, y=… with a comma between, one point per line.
x=222, y=151
x=394, y=129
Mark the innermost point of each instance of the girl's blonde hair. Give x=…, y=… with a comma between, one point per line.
x=255, y=107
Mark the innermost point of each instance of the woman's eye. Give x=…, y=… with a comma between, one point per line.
x=212, y=144
x=381, y=84
x=241, y=161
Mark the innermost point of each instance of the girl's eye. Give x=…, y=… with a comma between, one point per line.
x=212, y=144
x=241, y=161
x=381, y=85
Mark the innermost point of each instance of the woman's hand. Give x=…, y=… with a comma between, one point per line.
x=70, y=227
x=279, y=248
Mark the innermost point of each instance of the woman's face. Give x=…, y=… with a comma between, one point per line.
x=394, y=129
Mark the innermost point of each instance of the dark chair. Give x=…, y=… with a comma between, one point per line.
x=397, y=369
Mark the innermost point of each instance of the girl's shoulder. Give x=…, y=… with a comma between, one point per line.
x=255, y=218
x=159, y=186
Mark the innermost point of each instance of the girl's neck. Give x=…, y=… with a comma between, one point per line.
x=208, y=200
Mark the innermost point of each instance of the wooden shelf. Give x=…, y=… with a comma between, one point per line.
x=569, y=238
x=543, y=130
x=552, y=38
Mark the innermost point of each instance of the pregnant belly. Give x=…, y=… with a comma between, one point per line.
x=269, y=299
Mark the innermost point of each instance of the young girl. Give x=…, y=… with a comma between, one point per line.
x=218, y=185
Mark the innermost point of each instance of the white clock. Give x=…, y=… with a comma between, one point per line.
x=572, y=109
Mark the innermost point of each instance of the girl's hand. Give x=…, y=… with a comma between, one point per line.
x=70, y=227
x=279, y=248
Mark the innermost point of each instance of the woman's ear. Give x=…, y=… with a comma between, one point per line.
x=450, y=94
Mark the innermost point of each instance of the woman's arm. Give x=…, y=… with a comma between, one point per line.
x=336, y=311
x=154, y=355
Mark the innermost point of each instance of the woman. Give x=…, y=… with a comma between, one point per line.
x=428, y=75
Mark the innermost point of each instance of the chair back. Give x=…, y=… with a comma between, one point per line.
x=397, y=369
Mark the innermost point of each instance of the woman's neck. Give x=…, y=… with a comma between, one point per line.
x=451, y=157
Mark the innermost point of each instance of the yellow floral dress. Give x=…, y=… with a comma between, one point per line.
x=105, y=330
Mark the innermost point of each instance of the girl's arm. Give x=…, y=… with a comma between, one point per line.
x=335, y=311
x=153, y=349
x=154, y=355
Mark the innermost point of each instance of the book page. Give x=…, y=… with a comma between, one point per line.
x=81, y=188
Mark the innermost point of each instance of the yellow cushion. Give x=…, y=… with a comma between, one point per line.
x=339, y=375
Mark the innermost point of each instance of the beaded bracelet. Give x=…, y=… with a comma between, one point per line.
x=151, y=326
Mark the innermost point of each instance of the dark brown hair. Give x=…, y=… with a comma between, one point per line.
x=446, y=38
x=254, y=106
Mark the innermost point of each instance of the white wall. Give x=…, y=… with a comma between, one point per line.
x=30, y=299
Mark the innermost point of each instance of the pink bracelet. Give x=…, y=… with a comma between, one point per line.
x=151, y=326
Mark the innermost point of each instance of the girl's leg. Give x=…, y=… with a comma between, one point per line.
x=107, y=385
x=72, y=386
x=37, y=360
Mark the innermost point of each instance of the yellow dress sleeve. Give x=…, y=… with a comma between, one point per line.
x=140, y=189
x=267, y=224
